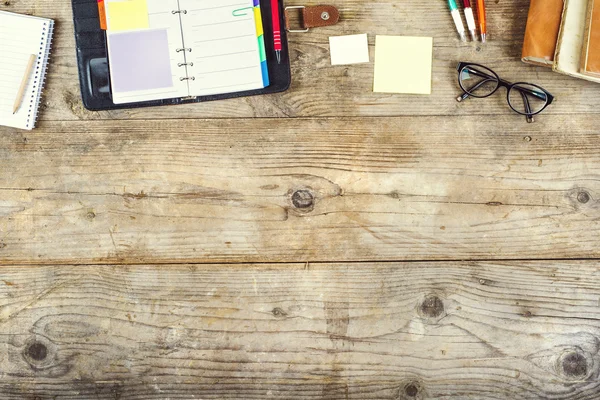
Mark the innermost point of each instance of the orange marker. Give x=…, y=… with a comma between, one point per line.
x=481, y=16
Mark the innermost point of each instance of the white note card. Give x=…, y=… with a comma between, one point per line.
x=349, y=49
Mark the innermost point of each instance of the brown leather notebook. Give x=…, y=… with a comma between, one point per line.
x=590, y=56
x=541, y=33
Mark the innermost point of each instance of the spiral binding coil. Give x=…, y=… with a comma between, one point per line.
x=39, y=78
x=184, y=50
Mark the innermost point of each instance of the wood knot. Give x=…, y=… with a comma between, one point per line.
x=527, y=138
x=583, y=197
x=37, y=351
x=303, y=199
x=90, y=216
x=412, y=390
x=2, y=245
x=574, y=365
x=432, y=307
x=278, y=312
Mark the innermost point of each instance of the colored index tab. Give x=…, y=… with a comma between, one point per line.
x=127, y=15
x=258, y=18
x=102, y=14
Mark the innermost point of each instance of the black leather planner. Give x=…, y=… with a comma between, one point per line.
x=93, y=62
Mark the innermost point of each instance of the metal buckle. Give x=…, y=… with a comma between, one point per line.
x=296, y=30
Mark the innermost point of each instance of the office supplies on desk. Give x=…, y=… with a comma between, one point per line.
x=481, y=17
x=210, y=63
x=460, y=28
x=23, y=38
x=590, y=53
x=470, y=19
x=479, y=81
x=276, y=29
x=541, y=33
x=403, y=64
x=349, y=49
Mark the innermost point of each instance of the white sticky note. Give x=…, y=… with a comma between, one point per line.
x=403, y=64
x=350, y=49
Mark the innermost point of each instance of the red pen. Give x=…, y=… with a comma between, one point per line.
x=276, y=29
x=470, y=18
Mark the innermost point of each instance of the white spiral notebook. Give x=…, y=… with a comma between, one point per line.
x=22, y=36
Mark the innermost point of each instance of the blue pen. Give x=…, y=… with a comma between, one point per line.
x=460, y=28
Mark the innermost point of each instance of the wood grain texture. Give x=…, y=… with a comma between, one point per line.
x=318, y=89
x=519, y=330
x=100, y=212
x=300, y=190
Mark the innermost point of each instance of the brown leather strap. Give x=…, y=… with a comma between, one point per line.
x=315, y=16
x=318, y=16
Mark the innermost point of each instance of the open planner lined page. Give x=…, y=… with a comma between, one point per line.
x=225, y=53
x=22, y=36
x=162, y=49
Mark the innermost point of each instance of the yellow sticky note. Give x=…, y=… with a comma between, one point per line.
x=127, y=15
x=403, y=64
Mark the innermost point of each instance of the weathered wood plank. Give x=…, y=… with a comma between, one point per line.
x=300, y=190
x=322, y=90
x=519, y=330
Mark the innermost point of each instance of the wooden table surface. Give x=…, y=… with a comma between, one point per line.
x=328, y=242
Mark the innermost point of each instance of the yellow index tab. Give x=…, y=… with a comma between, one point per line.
x=258, y=18
x=127, y=15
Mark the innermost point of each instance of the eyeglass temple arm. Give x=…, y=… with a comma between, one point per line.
x=528, y=113
x=478, y=73
x=465, y=95
x=522, y=90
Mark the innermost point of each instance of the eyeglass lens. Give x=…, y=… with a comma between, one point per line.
x=527, y=99
x=478, y=81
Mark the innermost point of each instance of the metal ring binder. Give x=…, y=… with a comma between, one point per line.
x=189, y=50
x=179, y=12
x=187, y=78
x=191, y=64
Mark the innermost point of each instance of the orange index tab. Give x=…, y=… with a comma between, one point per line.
x=102, y=14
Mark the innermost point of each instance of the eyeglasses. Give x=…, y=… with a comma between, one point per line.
x=524, y=98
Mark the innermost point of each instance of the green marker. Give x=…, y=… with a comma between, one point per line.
x=460, y=28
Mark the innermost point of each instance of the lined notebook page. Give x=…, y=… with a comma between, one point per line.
x=224, y=46
x=145, y=63
x=20, y=37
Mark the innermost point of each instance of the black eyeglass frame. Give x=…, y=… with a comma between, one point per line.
x=502, y=83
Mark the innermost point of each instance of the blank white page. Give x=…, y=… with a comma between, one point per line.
x=20, y=37
x=222, y=37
